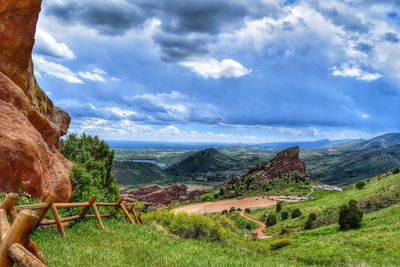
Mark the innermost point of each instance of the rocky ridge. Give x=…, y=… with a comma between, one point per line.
x=285, y=161
x=154, y=196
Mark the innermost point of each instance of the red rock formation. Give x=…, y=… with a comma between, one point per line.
x=154, y=196
x=285, y=161
x=30, y=125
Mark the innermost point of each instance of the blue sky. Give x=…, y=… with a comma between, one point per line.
x=221, y=70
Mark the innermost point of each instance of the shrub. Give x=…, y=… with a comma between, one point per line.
x=296, y=213
x=246, y=210
x=271, y=220
x=238, y=209
x=350, y=216
x=232, y=209
x=284, y=231
x=91, y=173
x=248, y=226
x=207, y=197
x=278, y=207
x=284, y=215
x=311, y=219
x=396, y=171
x=360, y=185
x=224, y=212
x=279, y=243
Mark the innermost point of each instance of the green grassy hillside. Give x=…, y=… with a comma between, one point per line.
x=375, y=243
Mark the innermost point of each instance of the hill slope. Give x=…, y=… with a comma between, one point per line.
x=376, y=243
x=208, y=160
x=133, y=173
x=348, y=166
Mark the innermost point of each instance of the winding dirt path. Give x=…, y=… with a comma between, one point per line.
x=259, y=231
x=226, y=204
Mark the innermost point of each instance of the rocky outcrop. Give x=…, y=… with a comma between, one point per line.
x=155, y=196
x=30, y=125
x=285, y=161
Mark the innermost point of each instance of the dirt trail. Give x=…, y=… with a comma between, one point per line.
x=226, y=204
x=259, y=232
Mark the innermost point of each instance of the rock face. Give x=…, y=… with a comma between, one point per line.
x=30, y=125
x=154, y=196
x=285, y=161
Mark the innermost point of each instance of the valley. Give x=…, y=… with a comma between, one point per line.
x=336, y=163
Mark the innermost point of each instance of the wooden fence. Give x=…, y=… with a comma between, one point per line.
x=15, y=244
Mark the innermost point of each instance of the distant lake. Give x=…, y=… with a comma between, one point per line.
x=151, y=161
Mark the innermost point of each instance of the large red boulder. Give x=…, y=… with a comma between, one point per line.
x=30, y=125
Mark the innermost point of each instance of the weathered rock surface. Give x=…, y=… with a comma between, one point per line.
x=30, y=125
x=154, y=196
x=285, y=161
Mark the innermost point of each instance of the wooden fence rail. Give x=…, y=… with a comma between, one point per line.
x=15, y=244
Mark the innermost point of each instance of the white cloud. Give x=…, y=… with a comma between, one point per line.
x=354, y=71
x=96, y=75
x=213, y=68
x=46, y=45
x=55, y=70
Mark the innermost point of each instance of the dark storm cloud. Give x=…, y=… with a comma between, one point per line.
x=107, y=17
x=187, y=27
x=175, y=48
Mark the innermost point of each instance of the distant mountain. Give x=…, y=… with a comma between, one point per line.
x=347, y=166
x=116, y=144
x=302, y=144
x=203, y=161
x=383, y=141
x=135, y=174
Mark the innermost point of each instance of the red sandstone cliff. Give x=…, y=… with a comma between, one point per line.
x=30, y=125
x=285, y=161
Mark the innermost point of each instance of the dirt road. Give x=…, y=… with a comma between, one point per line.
x=226, y=204
x=259, y=231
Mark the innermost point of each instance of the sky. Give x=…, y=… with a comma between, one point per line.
x=222, y=70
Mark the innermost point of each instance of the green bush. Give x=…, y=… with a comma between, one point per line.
x=271, y=220
x=396, y=171
x=284, y=215
x=360, y=185
x=215, y=227
x=238, y=209
x=91, y=173
x=312, y=217
x=278, y=207
x=207, y=197
x=296, y=213
x=247, y=210
x=279, y=243
x=284, y=231
x=232, y=209
x=350, y=216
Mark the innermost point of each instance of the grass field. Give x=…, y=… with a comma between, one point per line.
x=376, y=243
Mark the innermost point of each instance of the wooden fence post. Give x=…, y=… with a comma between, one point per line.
x=49, y=201
x=18, y=233
x=22, y=257
x=9, y=202
x=97, y=214
x=86, y=208
x=4, y=224
x=58, y=220
x=125, y=211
